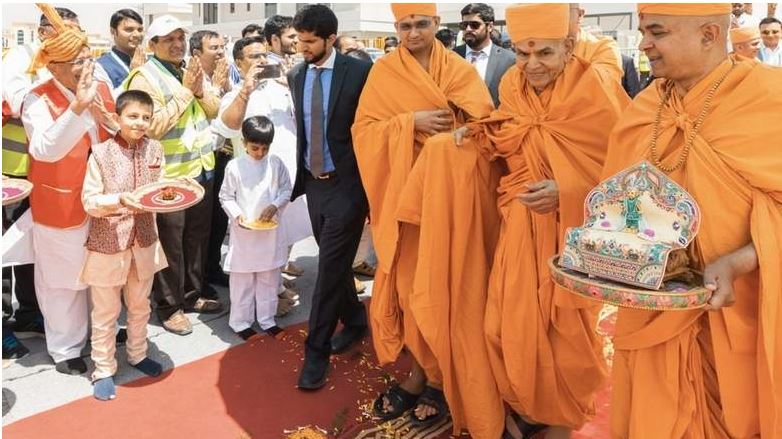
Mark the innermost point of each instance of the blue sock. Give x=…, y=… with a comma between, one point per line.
x=103, y=389
x=149, y=367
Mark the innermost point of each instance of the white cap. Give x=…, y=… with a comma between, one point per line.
x=163, y=25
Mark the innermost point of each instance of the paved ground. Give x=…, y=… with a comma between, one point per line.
x=31, y=385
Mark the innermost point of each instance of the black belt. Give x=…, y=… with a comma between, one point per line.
x=325, y=175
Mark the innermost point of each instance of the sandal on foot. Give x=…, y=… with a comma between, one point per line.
x=400, y=399
x=527, y=429
x=433, y=398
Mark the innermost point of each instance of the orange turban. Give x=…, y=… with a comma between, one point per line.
x=63, y=46
x=402, y=10
x=694, y=9
x=542, y=20
x=744, y=34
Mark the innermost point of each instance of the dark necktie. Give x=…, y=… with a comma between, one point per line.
x=316, y=127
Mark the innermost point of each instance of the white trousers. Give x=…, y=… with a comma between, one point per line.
x=65, y=318
x=253, y=297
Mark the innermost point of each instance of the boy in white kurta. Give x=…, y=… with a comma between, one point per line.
x=256, y=187
x=123, y=250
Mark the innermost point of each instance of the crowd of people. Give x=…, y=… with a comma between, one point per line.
x=460, y=167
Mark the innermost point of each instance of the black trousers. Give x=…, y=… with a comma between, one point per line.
x=24, y=287
x=337, y=222
x=219, y=219
x=184, y=236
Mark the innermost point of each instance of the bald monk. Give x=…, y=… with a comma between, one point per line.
x=745, y=41
x=551, y=130
x=602, y=52
x=713, y=372
x=434, y=226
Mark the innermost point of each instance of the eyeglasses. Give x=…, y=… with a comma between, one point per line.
x=420, y=25
x=76, y=62
x=474, y=25
x=258, y=55
x=769, y=32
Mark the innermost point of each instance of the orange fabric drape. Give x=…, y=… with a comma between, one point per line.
x=545, y=353
x=603, y=53
x=443, y=198
x=718, y=374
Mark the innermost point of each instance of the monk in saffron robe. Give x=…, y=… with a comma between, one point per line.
x=711, y=122
x=602, y=52
x=434, y=224
x=551, y=130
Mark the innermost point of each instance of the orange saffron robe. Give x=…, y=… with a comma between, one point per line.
x=698, y=374
x=543, y=345
x=602, y=52
x=434, y=222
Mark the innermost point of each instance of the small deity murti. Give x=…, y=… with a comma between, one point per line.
x=631, y=209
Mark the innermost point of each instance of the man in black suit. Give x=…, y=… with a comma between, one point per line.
x=326, y=88
x=491, y=60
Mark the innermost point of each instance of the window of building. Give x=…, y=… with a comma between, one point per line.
x=248, y=7
x=210, y=13
x=610, y=22
x=232, y=6
x=269, y=9
x=19, y=37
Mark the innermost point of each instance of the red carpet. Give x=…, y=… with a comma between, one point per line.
x=245, y=392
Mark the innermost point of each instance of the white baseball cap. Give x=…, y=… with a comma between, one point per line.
x=163, y=25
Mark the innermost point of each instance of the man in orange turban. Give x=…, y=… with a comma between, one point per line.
x=711, y=123
x=745, y=41
x=433, y=224
x=63, y=117
x=603, y=52
x=551, y=130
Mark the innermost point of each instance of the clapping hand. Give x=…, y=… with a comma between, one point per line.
x=193, y=77
x=221, y=76
x=139, y=57
x=86, y=89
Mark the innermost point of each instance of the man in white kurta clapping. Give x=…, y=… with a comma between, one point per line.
x=271, y=98
x=256, y=189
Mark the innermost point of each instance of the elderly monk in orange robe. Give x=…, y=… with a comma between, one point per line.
x=602, y=52
x=711, y=122
x=551, y=130
x=434, y=226
x=745, y=41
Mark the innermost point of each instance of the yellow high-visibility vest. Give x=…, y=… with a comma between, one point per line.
x=15, y=158
x=182, y=160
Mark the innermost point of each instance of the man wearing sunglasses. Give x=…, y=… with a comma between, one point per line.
x=770, y=32
x=491, y=61
x=602, y=52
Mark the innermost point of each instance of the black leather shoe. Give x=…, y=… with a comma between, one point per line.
x=313, y=374
x=73, y=366
x=346, y=338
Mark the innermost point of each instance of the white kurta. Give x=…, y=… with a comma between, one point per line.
x=273, y=100
x=59, y=253
x=248, y=188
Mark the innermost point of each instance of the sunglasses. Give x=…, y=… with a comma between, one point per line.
x=474, y=25
x=420, y=25
x=769, y=32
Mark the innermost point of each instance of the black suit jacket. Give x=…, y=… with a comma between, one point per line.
x=347, y=82
x=630, y=81
x=500, y=60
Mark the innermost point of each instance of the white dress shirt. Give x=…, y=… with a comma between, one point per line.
x=479, y=59
x=771, y=56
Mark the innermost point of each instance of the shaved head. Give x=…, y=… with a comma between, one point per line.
x=684, y=48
